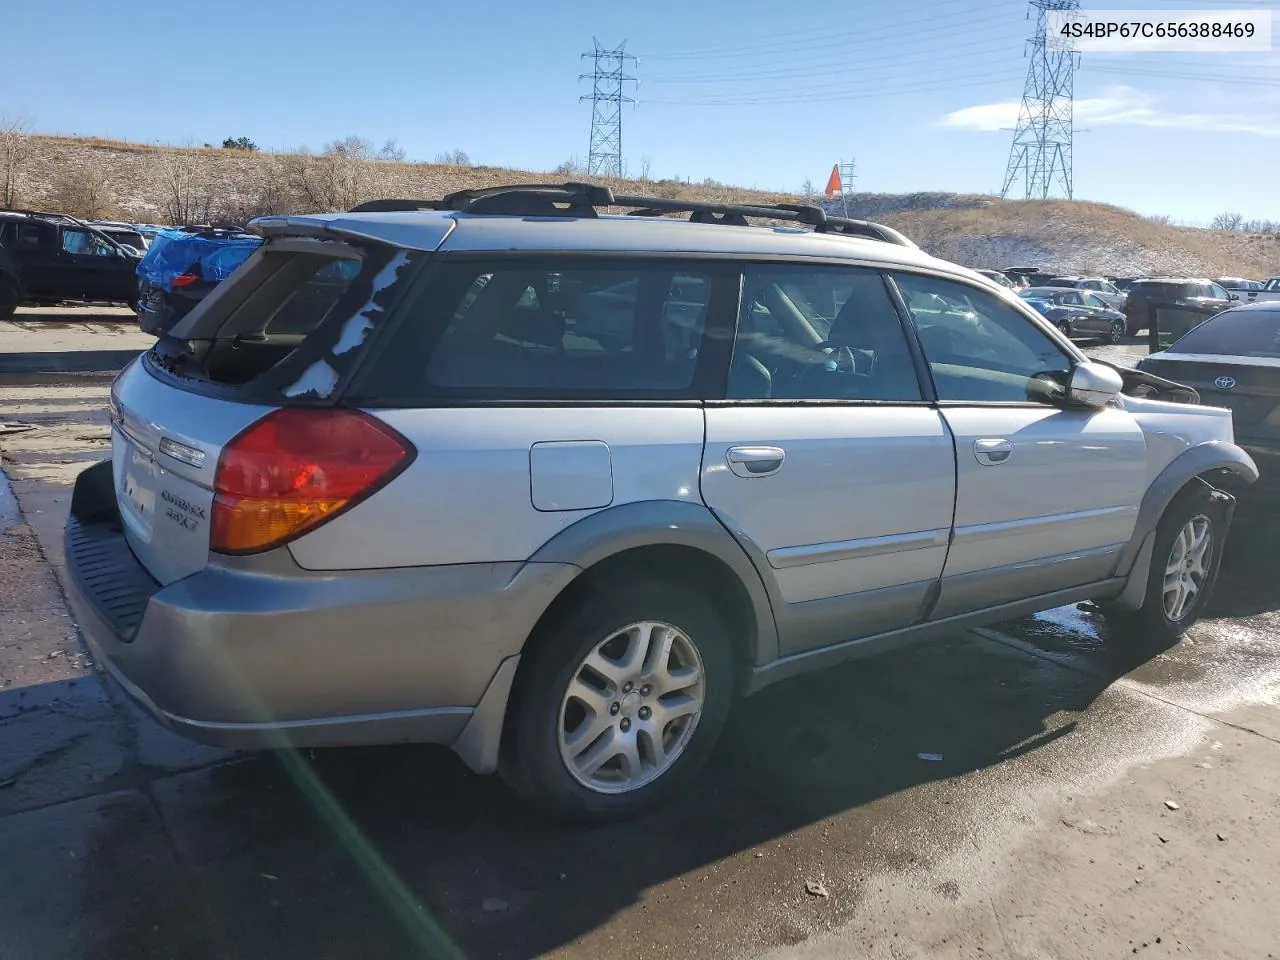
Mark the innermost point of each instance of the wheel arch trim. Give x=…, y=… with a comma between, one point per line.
x=1186, y=467
x=677, y=523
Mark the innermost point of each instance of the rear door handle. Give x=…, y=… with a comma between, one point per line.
x=751, y=462
x=992, y=453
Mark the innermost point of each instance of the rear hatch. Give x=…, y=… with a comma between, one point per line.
x=287, y=329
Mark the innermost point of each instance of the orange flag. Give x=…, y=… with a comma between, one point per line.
x=833, y=181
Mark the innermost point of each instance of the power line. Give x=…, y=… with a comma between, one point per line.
x=795, y=37
x=818, y=95
x=847, y=40
x=844, y=66
x=1041, y=151
x=608, y=81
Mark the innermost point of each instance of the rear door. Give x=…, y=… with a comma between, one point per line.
x=1046, y=496
x=35, y=251
x=826, y=460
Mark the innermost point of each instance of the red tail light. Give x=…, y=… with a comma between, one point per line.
x=295, y=469
x=184, y=279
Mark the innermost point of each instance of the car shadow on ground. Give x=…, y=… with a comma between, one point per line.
x=399, y=852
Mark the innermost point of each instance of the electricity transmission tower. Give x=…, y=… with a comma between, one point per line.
x=847, y=170
x=1041, y=153
x=608, y=94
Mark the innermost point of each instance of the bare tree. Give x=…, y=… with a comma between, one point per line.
x=1227, y=221
x=187, y=196
x=82, y=190
x=341, y=177
x=571, y=167
x=454, y=158
x=14, y=131
x=806, y=188
x=391, y=151
x=645, y=167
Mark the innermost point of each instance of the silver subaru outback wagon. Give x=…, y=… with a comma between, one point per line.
x=554, y=487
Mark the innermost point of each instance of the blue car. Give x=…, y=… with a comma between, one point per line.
x=181, y=268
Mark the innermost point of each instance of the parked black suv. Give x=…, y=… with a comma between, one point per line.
x=59, y=258
x=1182, y=301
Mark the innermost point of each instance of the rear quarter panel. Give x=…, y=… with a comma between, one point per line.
x=469, y=495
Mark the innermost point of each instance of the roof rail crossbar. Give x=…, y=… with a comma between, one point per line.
x=582, y=200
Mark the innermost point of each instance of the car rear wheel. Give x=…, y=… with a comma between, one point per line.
x=619, y=701
x=1065, y=327
x=1184, y=565
x=1116, y=331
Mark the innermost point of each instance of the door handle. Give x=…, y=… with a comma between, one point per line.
x=751, y=462
x=992, y=453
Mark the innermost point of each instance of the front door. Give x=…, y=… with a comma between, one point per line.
x=825, y=461
x=1046, y=495
x=94, y=269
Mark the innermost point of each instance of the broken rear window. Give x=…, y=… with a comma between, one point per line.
x=292, y=319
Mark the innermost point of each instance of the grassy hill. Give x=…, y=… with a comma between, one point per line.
x=162, y=184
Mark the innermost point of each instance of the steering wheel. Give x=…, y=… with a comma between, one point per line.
x=842, y=357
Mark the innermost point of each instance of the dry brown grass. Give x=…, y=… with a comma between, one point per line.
x=977, y=231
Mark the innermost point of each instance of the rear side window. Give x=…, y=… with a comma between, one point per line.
x=553, y=329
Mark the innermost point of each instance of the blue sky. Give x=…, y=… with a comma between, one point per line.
x=750, y=92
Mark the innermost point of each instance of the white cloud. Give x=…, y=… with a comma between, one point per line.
x=1119, y=106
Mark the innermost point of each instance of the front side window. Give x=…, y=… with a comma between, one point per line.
x=550, y=329
x=819, y=333
x=1093, y=300
x=86, y=244
x=980, y=349
x=1217, y=291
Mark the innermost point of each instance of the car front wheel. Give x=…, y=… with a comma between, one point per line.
x=619, y=701
x=1116, y=332
x=1184, y=565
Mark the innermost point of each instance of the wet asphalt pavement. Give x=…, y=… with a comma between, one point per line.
x=118, y=840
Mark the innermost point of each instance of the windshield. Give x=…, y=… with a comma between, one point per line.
x=1235, y=333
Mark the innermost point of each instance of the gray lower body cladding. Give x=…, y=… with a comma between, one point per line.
x=276, y=654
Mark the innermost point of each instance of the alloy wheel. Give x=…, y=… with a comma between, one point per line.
x=631, y=707
x=1188, y=566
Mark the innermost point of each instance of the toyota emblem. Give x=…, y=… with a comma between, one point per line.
x=1225, y=383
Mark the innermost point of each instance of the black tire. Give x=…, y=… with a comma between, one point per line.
x=531, y=759
x=9, y=299
x=1116, y=332
x=1065, y=327
x=1152, y=623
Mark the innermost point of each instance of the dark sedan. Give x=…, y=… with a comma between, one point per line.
x=1233, y=360
x=1077, y=313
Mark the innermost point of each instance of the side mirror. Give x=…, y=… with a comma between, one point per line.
x=1093, y=385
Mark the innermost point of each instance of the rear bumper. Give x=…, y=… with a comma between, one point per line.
x=257, y=652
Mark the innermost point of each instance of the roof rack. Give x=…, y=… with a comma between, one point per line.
x=583, y=199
